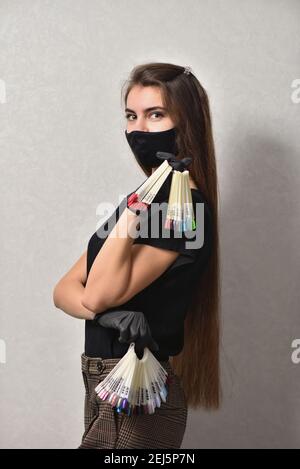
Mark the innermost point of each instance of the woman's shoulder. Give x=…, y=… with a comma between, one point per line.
x=199, y=197
x=198, y=194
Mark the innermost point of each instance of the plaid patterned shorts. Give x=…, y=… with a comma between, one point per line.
x=106, y=428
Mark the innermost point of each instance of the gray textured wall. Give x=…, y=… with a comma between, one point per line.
x=62, y=64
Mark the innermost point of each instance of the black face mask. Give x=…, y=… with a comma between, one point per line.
x=145, y=145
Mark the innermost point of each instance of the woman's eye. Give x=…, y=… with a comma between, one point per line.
x=157, y=113
x=132, y=115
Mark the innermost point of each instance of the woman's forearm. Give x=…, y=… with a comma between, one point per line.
x=67, y=296
x=109, y=276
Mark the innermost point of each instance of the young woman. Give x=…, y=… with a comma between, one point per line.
x=175, y=286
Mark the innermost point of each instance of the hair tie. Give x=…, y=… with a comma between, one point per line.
x=187, y=70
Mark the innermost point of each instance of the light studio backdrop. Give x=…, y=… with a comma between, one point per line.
x=63, y=151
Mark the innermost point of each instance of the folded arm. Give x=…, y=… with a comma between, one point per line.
x=121, y=268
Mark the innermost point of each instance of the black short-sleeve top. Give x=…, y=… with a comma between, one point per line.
x=165, y=301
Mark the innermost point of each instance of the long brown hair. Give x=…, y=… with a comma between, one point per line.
x=198, y=364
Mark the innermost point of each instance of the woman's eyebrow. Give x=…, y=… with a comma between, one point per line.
x=148, y=109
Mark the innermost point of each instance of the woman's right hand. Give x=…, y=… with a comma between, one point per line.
x=132, y=325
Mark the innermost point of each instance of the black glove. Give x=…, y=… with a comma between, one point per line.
x=132, y=325
x=178, y=165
